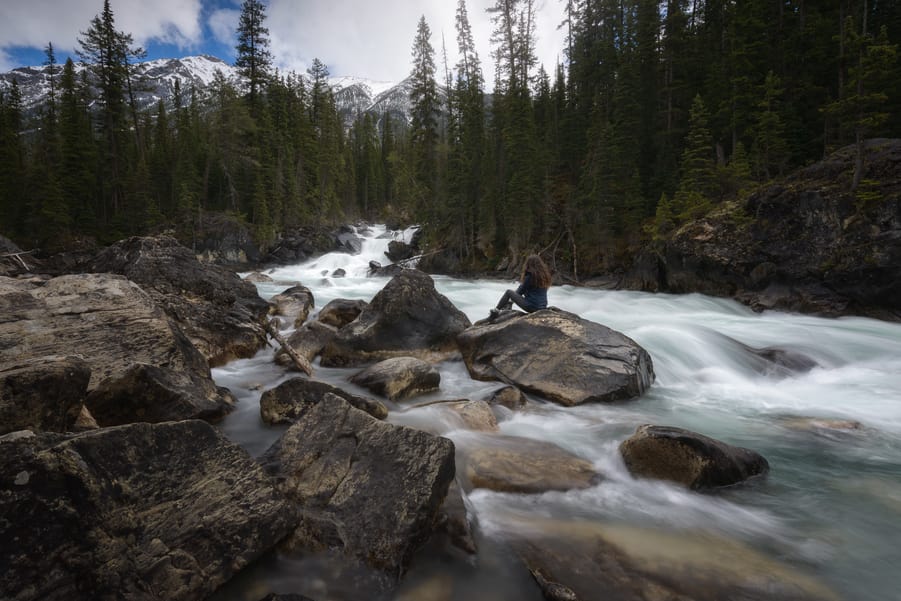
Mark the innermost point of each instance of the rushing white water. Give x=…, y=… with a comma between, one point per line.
x=831, y=505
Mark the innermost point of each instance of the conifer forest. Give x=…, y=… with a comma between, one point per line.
x=659, y=111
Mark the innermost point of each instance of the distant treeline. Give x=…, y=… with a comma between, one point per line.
x=658, y=112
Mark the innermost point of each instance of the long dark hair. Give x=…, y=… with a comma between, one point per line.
x=541, y=275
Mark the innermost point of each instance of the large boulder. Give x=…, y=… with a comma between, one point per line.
x=559, y=356
x=288, y=401
x=688, y=458
x=583, y=559
x=408, y=317
x=44, y=393
x=399, y=250
x=144, y=512
x=523, y=465
x=398, y=378
x=113, y=325
x=294, y=304
x=367, y=488
x=221, y=314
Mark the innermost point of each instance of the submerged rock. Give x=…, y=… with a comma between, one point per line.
x=688, y=458
x=45, y=393
x=139, y=512
x=113, y=325
x=221, y=314
x=510, y=397
x=408, y=317
x=523, y=465
x=559, y=356
x=365, y=487
x=583, y=560
x=398, y=378
x=288, y=401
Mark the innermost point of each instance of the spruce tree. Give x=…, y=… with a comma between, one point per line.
x=424, y=111
x=252, y=56
x=697, y=185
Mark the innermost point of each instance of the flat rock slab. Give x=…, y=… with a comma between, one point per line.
x=140, y=512
x=688, y=458
x=365, y=487
x=113, y=325
x=398, y=378
x=523, y=465
x=559, y=356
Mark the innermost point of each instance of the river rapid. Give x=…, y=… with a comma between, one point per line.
x=830, y=507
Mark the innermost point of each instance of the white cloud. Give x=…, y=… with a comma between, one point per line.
x=33, y=23
x=222, y=23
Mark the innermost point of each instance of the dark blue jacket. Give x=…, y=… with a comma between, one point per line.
x=536, y=298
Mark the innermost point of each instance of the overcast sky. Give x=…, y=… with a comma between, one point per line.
x=364, y=38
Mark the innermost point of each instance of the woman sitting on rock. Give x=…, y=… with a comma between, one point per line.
x=532, y=292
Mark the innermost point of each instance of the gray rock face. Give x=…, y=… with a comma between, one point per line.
x=398, y=378
x=139, y=512
x=398, y=251
x=558, y=356
x=294, y=304
x=42, y=394
x=688, y=458
x=341, y=311
x=368, y=488
x=288, y=401
x=408, y=317
x=221, y=314
x=113, y=325
x=523, y=465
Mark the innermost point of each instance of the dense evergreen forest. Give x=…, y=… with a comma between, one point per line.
x=659, y=112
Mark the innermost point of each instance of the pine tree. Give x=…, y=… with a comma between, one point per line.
x=12, y=164
x=770, y=148
x=424, y=111
x=698, y=182
x=252, y=56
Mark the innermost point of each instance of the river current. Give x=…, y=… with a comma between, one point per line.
x=830, y=507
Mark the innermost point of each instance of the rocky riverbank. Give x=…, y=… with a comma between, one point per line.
x=114, y=484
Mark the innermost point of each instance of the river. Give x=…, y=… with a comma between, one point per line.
x=830, y=507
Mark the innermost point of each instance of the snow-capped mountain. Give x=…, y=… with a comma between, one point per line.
x=353, y=95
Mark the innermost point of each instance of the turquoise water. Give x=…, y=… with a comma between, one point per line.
x=830, y=507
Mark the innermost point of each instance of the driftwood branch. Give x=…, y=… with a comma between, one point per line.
x=299, y=360
x=18, y=257
x=417, y=257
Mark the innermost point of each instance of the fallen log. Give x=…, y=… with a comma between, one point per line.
x=299, y=360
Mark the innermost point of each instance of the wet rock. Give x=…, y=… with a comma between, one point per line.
x=45, y=393
x=398, y=378
x=365, y=487
x=408, y=317
x=113, y=325
x=398, y=251
x=288, y=401
x=453, y=520
x=341, y=311
x=137, y=512
x=294, y=304
x=257, y=278
x=287, y=597
x=308, y=341
x=339, y=273
x=377, y=270
x=147, y=393
x=822, y=425
x=349, y=242
x=221, y=314
x=524, y=465
x=585, y=560
x=559, y=356
x=476, y=415
x=510, y=397
x=688, y=458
